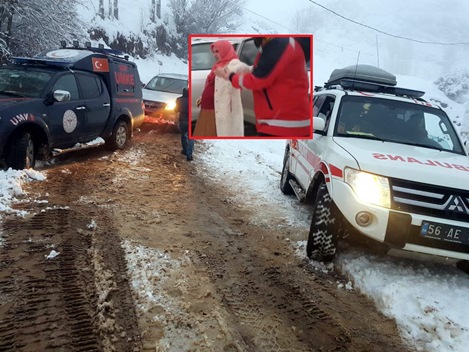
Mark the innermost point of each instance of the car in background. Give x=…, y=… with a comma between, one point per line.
x=160, y=94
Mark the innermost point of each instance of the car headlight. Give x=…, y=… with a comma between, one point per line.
x=369, y=188
x=170, y=106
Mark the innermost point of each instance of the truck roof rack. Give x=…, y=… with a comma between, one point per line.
x=110, y=52
x=356, y=85
x=368, y=78
x=67, y=57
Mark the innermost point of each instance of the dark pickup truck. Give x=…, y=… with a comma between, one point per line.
x=67, y=99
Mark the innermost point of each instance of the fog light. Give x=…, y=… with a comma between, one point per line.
x=363, y=218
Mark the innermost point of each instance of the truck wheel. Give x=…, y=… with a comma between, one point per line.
x=120, y=136
x=325, y=227
x=21, y=152
x=285, y=186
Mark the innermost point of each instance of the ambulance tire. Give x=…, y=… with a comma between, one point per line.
x=286, y=176
x=120, y=136
x=21, y=153
x=325, y=227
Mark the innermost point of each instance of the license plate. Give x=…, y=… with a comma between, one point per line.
x=444, y=232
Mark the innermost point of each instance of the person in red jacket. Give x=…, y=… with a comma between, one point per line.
x=279, y=82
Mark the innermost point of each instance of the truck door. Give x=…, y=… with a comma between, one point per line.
x=98, y=105
x=309, y=151
x=66, y=119
x=247, y=54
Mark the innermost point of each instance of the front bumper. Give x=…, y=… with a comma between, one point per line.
x=395, y=228
x=158, y=110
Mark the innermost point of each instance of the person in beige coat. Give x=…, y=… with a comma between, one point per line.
x=221, y=113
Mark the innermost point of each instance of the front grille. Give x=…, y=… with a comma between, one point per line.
x=154, y=105
x=431, y=200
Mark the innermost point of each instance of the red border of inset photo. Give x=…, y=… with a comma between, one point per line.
x=197, y=81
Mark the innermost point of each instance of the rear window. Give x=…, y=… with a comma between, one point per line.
x=166, y=84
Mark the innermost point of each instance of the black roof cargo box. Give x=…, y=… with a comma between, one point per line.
x=364, y=73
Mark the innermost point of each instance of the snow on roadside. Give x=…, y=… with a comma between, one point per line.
x=251, y=169
x=11, y=182
x=152, y=273
x=427, y=299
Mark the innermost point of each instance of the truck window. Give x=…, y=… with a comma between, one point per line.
x=202, y=57
x=69, y=84
x=318, y=101
x=248, y=52
x=91, y=87
x=29, y=83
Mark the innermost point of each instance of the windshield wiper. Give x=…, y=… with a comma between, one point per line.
x=363, y=136
x=424, y=145
x=11, y=94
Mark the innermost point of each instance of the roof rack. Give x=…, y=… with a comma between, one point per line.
x=352, y=84
x=40, y=62
x=368, y=78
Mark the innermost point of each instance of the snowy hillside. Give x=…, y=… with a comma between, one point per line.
x=343, y=42
x=339, y=42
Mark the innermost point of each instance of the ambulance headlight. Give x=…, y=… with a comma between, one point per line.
x=369, y=188
x=170, y=106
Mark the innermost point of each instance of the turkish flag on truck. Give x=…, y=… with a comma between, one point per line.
x=100, y=65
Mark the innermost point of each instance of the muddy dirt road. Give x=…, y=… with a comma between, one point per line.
x=137, y=251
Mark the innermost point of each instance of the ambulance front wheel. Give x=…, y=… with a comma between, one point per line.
x=325, y=227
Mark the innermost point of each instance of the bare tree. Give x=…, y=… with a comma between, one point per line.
x=207, y=16
x=29, y=26
x=180, y=11
x=305, y=21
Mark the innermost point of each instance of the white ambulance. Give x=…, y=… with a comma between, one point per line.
x=383, y=163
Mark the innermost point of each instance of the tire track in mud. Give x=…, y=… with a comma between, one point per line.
x=80, y=299
x=45, y=304
x=276, y=301
x=272, y=314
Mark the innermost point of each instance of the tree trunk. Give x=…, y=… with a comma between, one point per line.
x=116, y=9
x=109, y=13
x=9, y=27
x=153, y=11
x=158, y=9
x=101, y=9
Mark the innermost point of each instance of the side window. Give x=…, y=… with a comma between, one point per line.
x=69, y=84
x=318, y=100
x=322, y=107
x=326, y=108
x=91, y=87
x=248, y=52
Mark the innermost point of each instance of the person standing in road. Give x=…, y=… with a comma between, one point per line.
x=279, y=81
x=182, y=108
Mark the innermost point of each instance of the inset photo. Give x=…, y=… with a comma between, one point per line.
x=250, y=86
